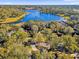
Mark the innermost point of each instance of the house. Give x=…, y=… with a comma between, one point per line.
x=37, y=44
x=43, y=44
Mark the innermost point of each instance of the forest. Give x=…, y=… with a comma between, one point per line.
x=38, y=39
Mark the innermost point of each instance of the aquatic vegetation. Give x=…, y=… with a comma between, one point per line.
x=9, y=12
x=11, y=20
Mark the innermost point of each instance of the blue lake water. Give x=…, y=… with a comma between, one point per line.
x=37, y=15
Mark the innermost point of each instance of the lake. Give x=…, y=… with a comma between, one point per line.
x=37, y=15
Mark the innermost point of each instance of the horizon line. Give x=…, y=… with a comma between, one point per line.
x=39, y=4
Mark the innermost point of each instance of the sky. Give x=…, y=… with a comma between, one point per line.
x=39, y=2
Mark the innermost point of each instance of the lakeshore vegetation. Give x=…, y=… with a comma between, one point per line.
x=38, y=39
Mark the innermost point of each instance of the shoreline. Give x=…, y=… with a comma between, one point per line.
x=11, y=20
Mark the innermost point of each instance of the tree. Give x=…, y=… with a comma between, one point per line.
x=54, y=41
x=34, y=28
x=69, y=43
x=68, y=30
x=39, y=37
